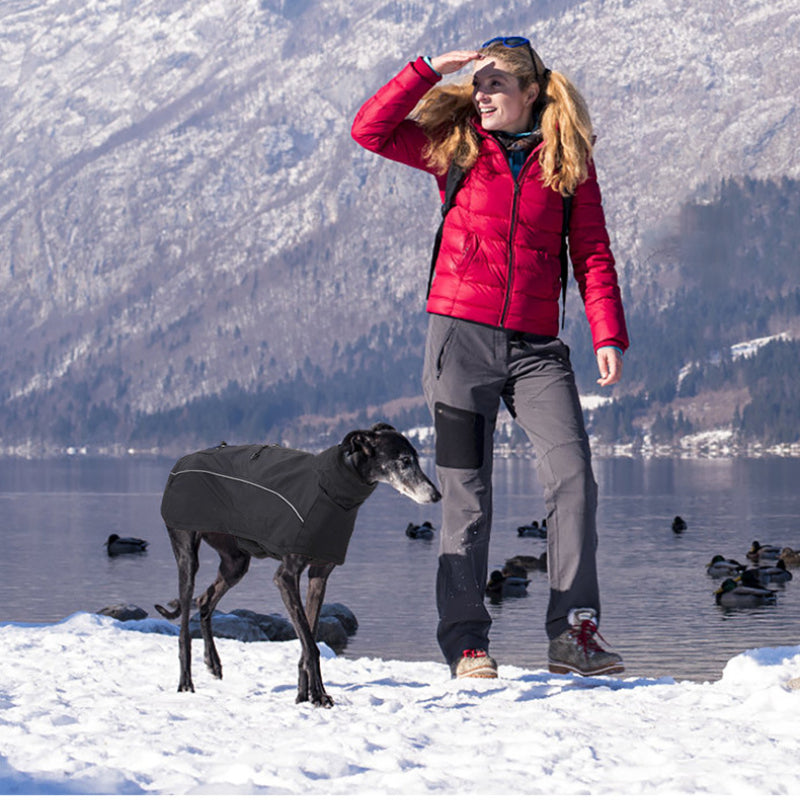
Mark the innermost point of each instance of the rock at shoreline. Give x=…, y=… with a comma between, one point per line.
x=336, y=624
x=230, y=626
x=343, y=614
x=276, y=627
x=332, y=632
x=123, y=612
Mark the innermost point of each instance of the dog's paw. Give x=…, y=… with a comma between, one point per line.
x=214, y=666
x=323, y=701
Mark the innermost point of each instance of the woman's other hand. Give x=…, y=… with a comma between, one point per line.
x=453, y=61
x=609, y=362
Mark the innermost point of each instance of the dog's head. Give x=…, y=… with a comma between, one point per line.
x=382, y=454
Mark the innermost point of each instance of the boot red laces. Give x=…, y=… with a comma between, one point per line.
x=585, y=636
x=474, y=654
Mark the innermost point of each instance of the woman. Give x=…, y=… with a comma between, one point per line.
x=523, y=136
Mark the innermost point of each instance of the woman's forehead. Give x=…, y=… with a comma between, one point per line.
x=491, y=67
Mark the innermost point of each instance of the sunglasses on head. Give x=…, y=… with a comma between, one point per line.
x=516, y=41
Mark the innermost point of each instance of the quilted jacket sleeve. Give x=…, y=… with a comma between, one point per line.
x=382, y=125
x=593, y=265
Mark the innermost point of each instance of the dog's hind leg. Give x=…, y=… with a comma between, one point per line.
x=185, y=545
x=233, y=566
x=309, y=684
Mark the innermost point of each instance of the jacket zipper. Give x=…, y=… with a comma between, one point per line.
x=511, y=229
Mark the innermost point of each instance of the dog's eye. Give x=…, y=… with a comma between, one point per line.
x=407, y=462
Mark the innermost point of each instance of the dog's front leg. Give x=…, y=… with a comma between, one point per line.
x=315, y=597
x=309, y=684
x=317, y=579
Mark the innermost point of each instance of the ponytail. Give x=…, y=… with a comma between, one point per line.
x=444, y=113
x=567, y=133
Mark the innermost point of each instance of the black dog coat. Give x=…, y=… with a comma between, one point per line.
x=274, y=500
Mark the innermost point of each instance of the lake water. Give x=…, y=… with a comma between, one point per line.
x=658, y=603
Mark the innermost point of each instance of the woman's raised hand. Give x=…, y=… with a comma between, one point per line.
x=453, y=61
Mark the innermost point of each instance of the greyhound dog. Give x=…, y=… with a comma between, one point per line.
x=301, y=512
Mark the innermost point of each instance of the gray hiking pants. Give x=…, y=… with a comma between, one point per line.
x=468, y=369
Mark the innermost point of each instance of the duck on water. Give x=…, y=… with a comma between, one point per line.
x=117, y=545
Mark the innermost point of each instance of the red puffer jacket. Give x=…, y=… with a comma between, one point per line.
x=499, y=259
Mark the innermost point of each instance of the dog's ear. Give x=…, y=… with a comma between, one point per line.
x=359, y=442
x=382, y=426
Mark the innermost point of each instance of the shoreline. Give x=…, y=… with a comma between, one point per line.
x=700, y=448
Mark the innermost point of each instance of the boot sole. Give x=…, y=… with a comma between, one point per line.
x=479, y=672
x=566, y=669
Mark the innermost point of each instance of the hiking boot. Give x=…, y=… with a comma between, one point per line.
x=577, y=650
x=475, y=664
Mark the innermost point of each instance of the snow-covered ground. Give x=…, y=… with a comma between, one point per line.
x=89, y=705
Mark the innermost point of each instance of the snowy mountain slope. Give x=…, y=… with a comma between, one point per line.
x=181, y=204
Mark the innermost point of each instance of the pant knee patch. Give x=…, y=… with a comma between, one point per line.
x=459, y=437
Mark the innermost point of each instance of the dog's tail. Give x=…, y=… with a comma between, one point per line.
x=174, y=614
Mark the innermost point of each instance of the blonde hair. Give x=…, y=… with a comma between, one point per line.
x=446, y=113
